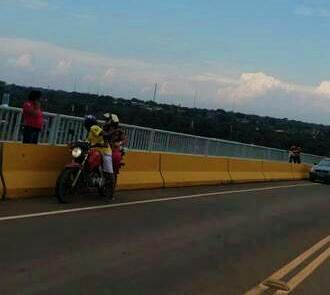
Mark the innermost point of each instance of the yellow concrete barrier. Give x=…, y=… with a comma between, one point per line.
x=243, y=170
x=142, y=170
x=218, y=169
x=300, y=171
x=184, y=170
x=275, y=170
x=2, y=180
x=32, y=170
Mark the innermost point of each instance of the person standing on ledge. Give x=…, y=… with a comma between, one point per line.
x=32, y=118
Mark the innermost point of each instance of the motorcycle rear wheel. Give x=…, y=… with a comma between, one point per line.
x=64, y=190
x=108, y=189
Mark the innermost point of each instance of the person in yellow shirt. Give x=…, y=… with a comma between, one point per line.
x=96, y=139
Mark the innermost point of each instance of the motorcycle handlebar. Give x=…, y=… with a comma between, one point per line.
x=72, y=145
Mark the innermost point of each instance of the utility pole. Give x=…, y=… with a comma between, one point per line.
x=75, y=85
x=98, y=89
x=192, y=123
x=155, y=92
x=195, y=99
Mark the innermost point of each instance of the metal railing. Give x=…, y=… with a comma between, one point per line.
x=61, y=129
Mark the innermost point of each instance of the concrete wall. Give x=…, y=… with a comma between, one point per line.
x=32, y=170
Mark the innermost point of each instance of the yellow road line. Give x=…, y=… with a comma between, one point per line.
x=306, y=272
x=295, y=281
x=299, y=260
x=258, y=290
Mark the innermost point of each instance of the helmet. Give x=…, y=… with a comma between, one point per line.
x=114, y=118
x=90, y=120
x=107, y=116
x=111, y=117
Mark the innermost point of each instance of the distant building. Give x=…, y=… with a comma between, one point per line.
x=152, y=109
x=244, y=121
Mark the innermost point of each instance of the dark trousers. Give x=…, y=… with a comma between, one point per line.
x=295, y=159
x=30, y=135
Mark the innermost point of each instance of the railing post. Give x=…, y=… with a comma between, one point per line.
x=54, y=130
x=17, y=126
x=206, y=151
x=151, y=140
x=195, y=146
x=167, y=144
x=131, y=139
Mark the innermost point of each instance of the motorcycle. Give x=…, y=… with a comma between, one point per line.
x=85, y=171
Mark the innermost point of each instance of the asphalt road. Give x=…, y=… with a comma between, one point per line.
x=209, y=240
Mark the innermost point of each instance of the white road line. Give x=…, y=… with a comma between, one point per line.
x=126, y=204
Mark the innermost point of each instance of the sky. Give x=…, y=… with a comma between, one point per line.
x=259, y=57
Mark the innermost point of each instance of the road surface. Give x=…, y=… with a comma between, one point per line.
x=235, y=239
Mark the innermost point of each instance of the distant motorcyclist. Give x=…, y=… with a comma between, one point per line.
x=95, y=137
x=116, y=138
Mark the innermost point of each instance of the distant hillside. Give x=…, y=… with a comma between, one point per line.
x=251, y=129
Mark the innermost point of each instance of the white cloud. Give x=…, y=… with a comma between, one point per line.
x=63, y=67
x=312, y=11
x=23, y=61
x=250, y=92
x=324, y=88
x=264, y=94
x=109, y=74
x=35, y=4
x=251, y=85
x=304, y=11
x=210, y=77
x=83, y=16
x=176, y=86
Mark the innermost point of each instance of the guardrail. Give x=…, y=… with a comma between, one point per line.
x=61, y=129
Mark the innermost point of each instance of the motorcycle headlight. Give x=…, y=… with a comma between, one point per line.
x=76, y=152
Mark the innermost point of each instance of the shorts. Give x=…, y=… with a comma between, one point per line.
x=107, y=163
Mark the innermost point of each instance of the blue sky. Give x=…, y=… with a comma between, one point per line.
x=266, y=57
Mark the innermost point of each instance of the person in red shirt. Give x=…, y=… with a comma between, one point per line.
x=32, y=118
x=294, y=154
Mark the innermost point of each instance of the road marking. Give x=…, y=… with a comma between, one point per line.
x=302, y=275
x=299, y=260
x=307, y=271
x=126, y=204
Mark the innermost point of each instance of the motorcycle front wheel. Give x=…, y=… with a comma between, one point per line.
x=64, y=190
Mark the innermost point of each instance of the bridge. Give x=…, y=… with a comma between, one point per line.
x=193, y=215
